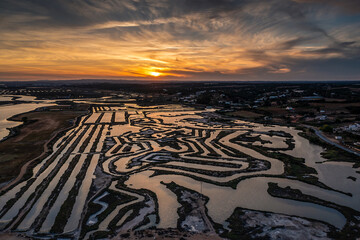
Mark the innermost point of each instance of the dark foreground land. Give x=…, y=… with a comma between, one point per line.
x=107, y=122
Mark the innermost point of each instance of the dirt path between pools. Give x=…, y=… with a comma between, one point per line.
x=201, y=207
x=12, y=236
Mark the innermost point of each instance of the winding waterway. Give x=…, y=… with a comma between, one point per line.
x=133, y=150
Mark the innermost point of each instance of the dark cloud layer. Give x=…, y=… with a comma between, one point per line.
x=236, y=39
x=351, y=6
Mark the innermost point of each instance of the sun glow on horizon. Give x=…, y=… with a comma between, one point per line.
x=155, y=74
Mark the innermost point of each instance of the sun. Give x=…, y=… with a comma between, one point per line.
x=155, y=74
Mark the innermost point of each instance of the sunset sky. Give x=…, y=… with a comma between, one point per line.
x=180, y=39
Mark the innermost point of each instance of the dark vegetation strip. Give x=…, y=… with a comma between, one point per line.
x=87, y=140
x=66, y=208
x=158, y=172
x=213, y=173
x=117, y=149
x=48, y=205
x=99, y=118
x=56, y=154
x=113, y=117
x=76, y=124
x=12, y=201
x=209, y=162
x=94, y=146
x=197, y=151
x=227, y=152
x=212, y=151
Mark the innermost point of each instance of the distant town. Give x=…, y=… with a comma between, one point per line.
x=333, y=107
